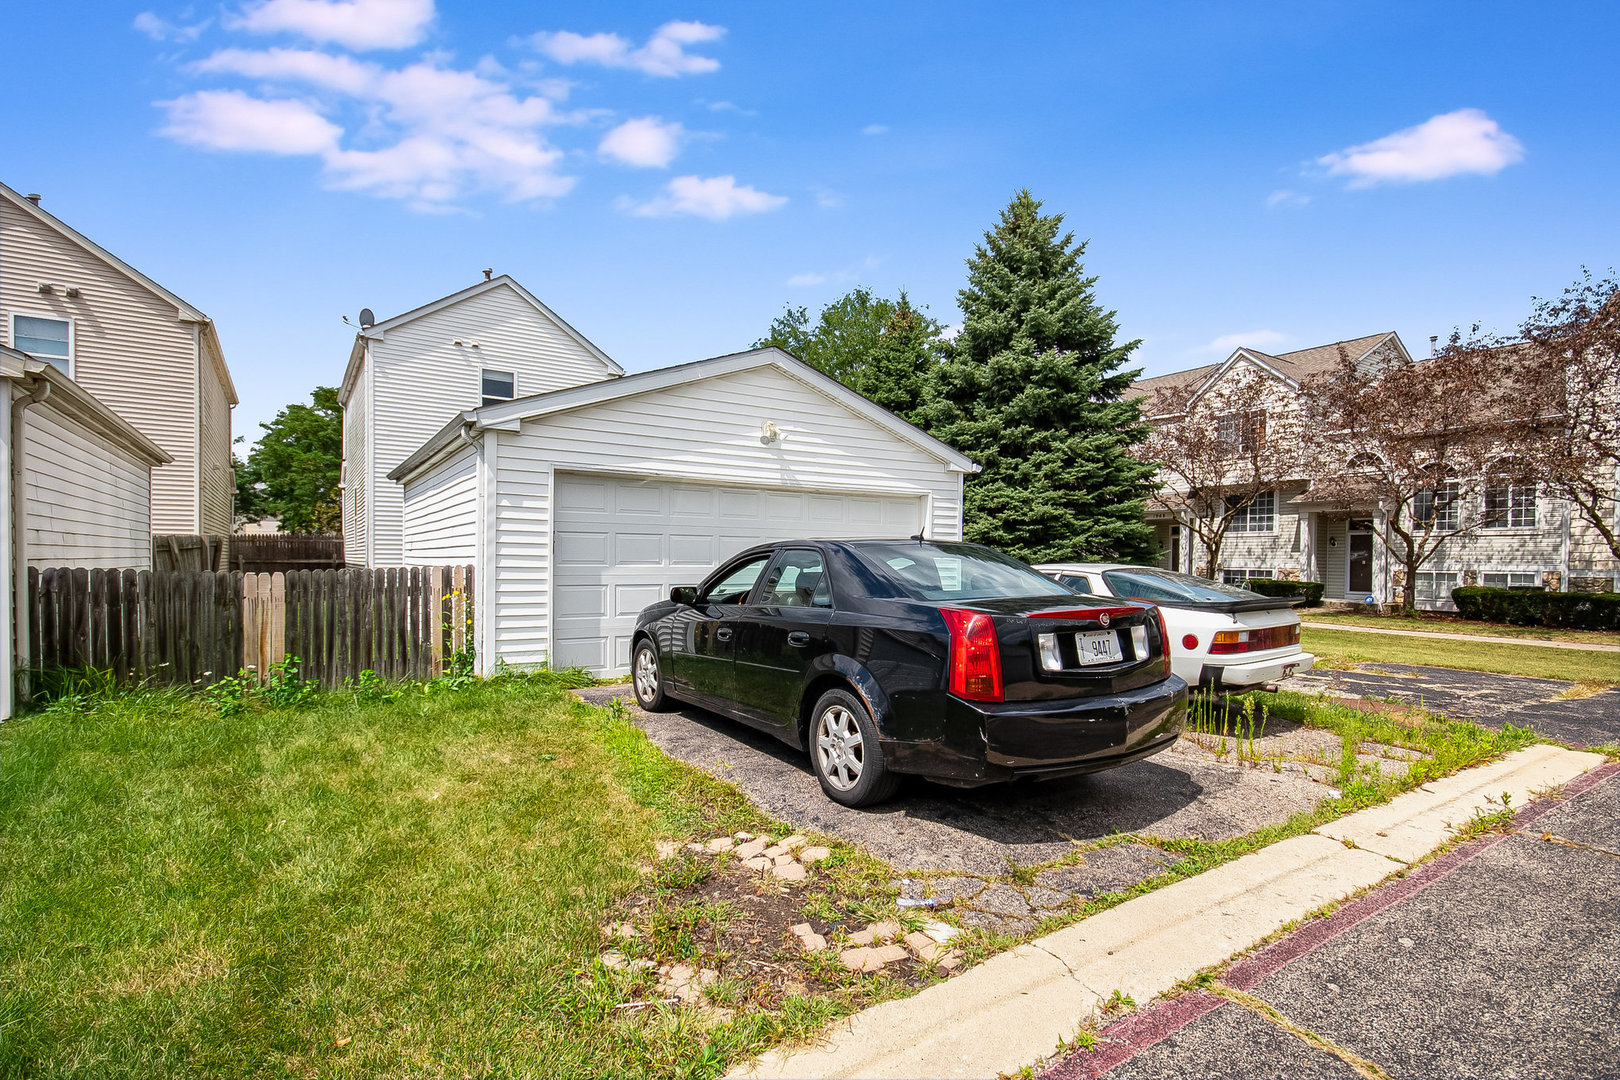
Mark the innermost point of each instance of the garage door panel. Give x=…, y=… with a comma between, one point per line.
x=615, y=554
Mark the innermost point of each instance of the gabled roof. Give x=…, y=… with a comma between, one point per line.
x=1290, y=366
x=186, y=312
x=511, y=413
x=377, y=332
x=74, y=400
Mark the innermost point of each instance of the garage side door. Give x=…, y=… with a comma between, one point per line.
x=621, y=544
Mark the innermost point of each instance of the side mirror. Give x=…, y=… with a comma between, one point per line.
x=685, y=595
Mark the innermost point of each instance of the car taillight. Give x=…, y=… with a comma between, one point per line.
x=975, y=655
x=1265, y=637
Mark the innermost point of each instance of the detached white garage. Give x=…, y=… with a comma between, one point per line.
x=582, y=506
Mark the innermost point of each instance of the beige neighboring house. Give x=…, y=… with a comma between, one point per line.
x=150, y=357
x=1525, y=536
x=75, y=487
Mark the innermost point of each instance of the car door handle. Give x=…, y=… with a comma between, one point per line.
x=723, y=634
x=798, y=639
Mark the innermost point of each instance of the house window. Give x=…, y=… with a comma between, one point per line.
x=50, y=340
x=1510, y=506
x=1259, y=516
x=499, y=386
x=1435, y=586
x=1242, y=432
x=1512, y=579
x=1238, y=577
x=1439, y=508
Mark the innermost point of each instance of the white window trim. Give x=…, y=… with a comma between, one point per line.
x=496, y=371
x=73, y=335
x=1506, y=526
x=1248, y=511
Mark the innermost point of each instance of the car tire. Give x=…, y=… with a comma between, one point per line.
x=647, y=678
x=845, y=754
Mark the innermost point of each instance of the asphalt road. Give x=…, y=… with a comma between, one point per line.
x=1501, y=960
x=1475, y=695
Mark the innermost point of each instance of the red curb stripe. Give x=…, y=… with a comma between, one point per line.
x=1119, y=1042
x=1129, y=1037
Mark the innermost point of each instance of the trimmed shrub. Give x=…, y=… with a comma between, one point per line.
x=1528, y=607
x=1309, y=591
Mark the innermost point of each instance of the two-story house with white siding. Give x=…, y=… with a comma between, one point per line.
x=1523, y=535
x=408, y=374
x=150, y=357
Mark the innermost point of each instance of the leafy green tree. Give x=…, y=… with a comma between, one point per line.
x=881, y=349
x=294, y=470
x=1032, y=389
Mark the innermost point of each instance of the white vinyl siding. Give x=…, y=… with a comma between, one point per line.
x=218, y=480
x=87, y=502
x=130, y=349
x=355, y=475
x=708, y=434
x=420, y=378
x=441, y=512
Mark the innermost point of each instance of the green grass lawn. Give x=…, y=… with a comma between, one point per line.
x=1448, y=624
x=402, y=888
x=1344, y=648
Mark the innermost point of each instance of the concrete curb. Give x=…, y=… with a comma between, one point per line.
x=1013, y=1009
x=1540, y=643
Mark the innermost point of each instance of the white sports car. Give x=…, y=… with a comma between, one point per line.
x=1221, y=636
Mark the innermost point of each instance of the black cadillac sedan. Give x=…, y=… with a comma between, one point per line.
x=885, y=657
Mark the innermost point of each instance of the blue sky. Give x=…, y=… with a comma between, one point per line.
x=667, y=177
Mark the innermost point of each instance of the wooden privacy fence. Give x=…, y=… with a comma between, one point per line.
x=286, y=553
x=197, y=627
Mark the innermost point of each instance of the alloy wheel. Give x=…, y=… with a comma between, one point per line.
x=839, y=749
x=646, y=675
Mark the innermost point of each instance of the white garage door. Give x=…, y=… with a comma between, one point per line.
x=621, y=544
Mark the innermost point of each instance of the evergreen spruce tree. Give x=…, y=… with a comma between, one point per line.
x=1031, y=389
x=898, y=369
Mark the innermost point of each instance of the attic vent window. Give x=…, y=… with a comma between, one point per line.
x=499, y=386
x=50, y=340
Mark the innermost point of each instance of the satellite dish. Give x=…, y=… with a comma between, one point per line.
x=367, y=319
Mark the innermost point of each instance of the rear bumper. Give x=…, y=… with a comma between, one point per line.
x=1048, y=739
x=1255, y=672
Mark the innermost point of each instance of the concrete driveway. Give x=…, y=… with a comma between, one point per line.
x=1541, y=704
x=961, y=845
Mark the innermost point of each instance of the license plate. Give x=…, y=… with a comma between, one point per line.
x=1099, y=647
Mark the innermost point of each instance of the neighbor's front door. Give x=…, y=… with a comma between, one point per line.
x=1360, y=569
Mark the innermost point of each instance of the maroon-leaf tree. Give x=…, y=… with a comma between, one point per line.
x=1218, y=449
x=1415, y=439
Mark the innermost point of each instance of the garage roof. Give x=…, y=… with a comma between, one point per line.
x=509, y=414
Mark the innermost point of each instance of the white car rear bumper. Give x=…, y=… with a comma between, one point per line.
x=1255, y=672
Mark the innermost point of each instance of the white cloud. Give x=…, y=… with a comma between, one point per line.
x=1286, y=198
x=875, y=129
x=355, y=24
x=430, y=134
x=730, y=106
x=664, y=54
x=231, y=120
x=646, y=142
x=1253, y=339
x=160, y=30
x=828, y=199
x=801, y=281
x=716, y=198
x=1451, y=144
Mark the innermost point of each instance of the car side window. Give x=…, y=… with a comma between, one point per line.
x=737, y=583
x=798, y=578
x=1076, y=582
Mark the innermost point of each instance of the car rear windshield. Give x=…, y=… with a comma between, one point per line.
x=1171, y=587
x=942, y=571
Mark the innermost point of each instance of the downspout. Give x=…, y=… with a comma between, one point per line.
x=39, y=391
x=481, y=574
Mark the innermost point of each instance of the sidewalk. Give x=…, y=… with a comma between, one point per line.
x=1014, y=1009
x=1498, y=959
x=1583, y=646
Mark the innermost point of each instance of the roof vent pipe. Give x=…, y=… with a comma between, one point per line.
x=489, y=271
x=33, y=197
